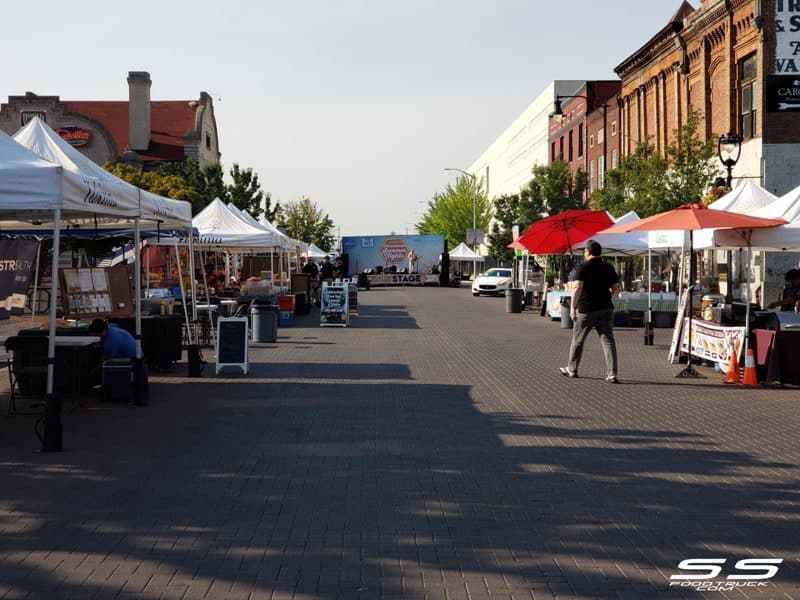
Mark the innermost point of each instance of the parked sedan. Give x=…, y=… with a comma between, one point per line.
x=492, y=282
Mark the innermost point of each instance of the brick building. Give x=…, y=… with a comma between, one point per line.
x=730, y=60
x=586, y=133
x=139, y=131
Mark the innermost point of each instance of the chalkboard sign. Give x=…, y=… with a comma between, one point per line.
x=333, y=307
x=232, y=343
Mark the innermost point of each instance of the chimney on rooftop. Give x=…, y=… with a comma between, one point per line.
x=139, y=109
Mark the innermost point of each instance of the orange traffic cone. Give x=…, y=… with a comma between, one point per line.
x=749, y=378
x=732, y=375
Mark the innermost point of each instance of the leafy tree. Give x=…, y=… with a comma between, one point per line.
x=246, y=193
x=170, y=186
x=506, y=211
x=552, y=190
x=691, y=167
x=650, y=183
x=206, y=181
x=304, y=221
x=450, y=213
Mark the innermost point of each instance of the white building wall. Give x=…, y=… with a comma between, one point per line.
x=506, y=165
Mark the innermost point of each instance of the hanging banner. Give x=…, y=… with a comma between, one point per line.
x=17, y=257
x=712, y=341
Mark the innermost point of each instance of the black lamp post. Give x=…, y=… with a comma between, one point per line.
x=558, y=114
x=729, y=149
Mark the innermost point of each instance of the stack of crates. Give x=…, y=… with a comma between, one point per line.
x=286, y=310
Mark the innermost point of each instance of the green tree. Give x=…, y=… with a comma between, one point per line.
x=206, y=181
x=691, y=169
x=649, y=183
x=169, y=186
x=245, y=193
x=450, y=213
x=305, y=221
x=506, y=215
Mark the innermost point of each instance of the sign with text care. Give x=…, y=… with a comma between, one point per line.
x=787, y=43
x=17, y=257
x=415, y=253
x=333, y=305
x=783, y=93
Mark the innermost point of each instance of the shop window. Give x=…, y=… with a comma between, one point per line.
x=748, y=96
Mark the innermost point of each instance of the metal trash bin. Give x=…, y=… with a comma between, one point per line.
x=264, y=319
x=566, y=320
x=514, y=300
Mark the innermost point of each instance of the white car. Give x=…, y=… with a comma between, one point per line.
x=492, y=282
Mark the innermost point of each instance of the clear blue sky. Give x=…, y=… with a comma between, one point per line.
x=357, y=104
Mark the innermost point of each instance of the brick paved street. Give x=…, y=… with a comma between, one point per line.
x=431, y=451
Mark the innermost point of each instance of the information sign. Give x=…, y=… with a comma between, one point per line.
x=333, y=305
x=232, y=350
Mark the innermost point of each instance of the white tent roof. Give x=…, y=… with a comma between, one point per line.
x=218, y=221
x=100, y=192
x=786, y=207
x=315, y=251
x=282, y=240
x=462, y=252
x=295, y=244
x=744, y=199
x=769, y=238
x=28, y=184
x=620, y=244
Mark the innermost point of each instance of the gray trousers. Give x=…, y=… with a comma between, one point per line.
x=603, y=321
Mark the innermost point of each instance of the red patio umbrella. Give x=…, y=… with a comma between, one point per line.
x=558, y=233
x=691, y=217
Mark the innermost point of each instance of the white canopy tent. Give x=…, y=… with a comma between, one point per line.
x=108, y=194
x=218, y=221
x=34, y=189
x=463, y=252
x=314, y=251
x=747, y=199
x=633, y=243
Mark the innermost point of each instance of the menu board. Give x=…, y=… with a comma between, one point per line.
x=232, y=343
x=86, y=292
x=333, y=305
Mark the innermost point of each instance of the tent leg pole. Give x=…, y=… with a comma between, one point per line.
x=52, y=436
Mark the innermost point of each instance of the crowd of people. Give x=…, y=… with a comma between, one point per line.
x=325, y=272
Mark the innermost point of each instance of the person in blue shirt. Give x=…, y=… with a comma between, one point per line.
x=117, y=343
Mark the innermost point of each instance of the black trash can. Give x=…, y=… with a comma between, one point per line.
x=265, y=322
x=566, y=320
x=514, y=300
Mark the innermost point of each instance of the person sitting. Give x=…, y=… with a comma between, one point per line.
x=117, y=343
x=790, y=298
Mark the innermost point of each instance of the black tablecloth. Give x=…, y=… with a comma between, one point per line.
x=161, y=338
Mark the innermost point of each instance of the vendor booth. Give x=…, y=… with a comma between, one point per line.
x=48, y=182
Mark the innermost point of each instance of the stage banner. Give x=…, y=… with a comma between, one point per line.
x=17, y=258
x=394, y=253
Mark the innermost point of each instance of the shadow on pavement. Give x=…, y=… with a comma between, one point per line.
x=339, y=489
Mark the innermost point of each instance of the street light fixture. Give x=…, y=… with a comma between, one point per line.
x=474, y=206
x=729, y=149
x=558, y=115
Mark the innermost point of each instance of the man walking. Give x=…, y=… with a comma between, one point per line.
x=592, y=308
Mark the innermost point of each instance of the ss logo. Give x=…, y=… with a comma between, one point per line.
x=709, y=568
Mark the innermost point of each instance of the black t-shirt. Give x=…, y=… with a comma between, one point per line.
x=597, y=276
x=311, y=269
x=326, y=270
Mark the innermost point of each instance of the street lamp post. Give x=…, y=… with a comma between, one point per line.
x=729, y=149
x=474, y=206
x=558, y=114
